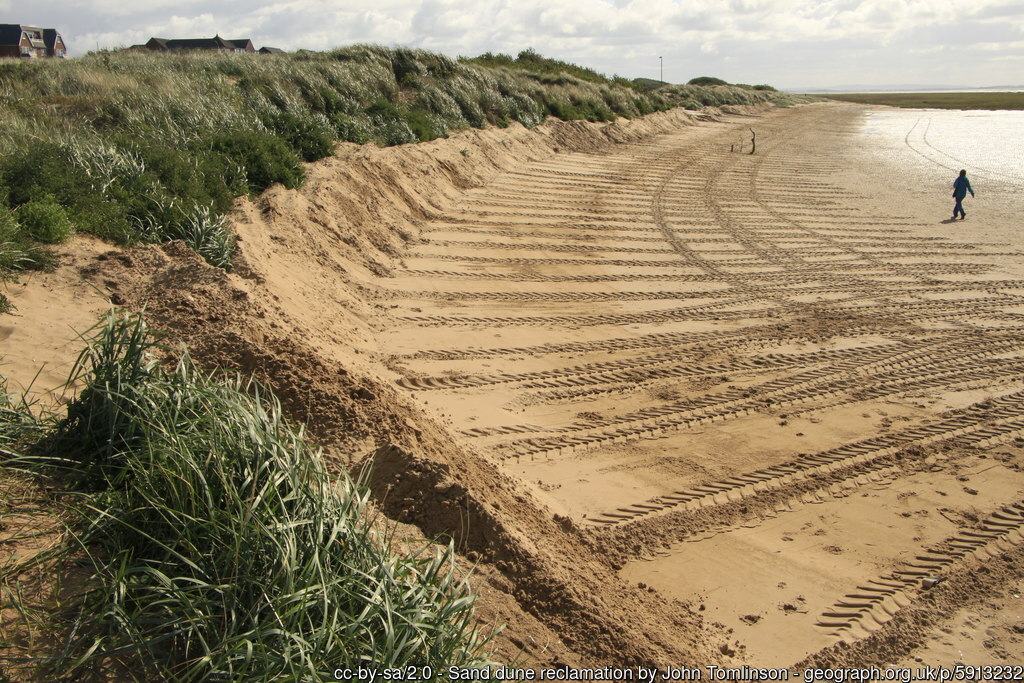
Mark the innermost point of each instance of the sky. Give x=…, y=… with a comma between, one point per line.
x=796, y=44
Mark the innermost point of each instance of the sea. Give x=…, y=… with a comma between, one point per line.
x=988, y=144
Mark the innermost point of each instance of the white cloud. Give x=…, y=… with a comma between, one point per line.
x=786, y=42
x=1017, y=47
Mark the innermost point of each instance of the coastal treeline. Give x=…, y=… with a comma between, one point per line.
x=141, y=147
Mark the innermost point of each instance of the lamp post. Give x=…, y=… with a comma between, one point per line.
x=661, y=65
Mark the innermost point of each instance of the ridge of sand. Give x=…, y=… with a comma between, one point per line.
x=682, y=404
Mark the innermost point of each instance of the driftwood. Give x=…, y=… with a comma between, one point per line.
x=753, y=140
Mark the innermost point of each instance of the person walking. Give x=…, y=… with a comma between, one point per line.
x=961, y=186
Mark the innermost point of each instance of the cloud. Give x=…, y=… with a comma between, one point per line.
x=805, y=42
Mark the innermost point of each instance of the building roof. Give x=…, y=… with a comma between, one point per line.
x=215, y=43
x=267, y=50
x=50, y=37
x=10, y=34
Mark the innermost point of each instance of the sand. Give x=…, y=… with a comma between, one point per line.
x=678, y=404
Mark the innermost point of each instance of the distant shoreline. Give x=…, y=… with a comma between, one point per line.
x=989, y=100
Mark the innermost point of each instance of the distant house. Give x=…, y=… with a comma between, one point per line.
x=216, y=44
x=54, y=43
x=267, y=50
x=243, y=45
x=18, y=40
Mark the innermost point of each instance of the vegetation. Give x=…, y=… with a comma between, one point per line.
x=698, y=96
x=19, y=248
x=938, y=100
x=220, y=546
x=706, y=80
x=143, y=147
x=541, y=68
x=647, y=84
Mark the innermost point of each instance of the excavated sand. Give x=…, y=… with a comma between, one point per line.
x=681, y=404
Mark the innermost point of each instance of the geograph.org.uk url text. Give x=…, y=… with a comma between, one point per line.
x=959, y=672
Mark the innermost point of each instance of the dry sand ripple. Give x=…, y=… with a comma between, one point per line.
x=760, y=383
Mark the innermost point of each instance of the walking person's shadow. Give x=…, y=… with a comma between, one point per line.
x=948, y=220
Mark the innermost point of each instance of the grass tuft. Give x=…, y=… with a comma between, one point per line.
x=221, y=546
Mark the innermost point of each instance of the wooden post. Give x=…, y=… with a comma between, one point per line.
x=753, y=141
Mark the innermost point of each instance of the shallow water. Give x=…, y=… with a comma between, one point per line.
x=989, y=144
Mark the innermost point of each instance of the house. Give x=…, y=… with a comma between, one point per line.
x=19, y=40
x=217, y=44
x=243, y=45
x=54, y=43
x=267, y=50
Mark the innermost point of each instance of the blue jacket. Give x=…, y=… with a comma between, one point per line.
x=961, y=186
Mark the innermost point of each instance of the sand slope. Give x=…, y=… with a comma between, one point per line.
x=682, y=404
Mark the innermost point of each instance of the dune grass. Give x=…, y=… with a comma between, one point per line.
x=938, y=100
x=220, y=547
x=144, y=147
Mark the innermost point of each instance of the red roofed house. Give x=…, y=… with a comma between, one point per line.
x=18, y=40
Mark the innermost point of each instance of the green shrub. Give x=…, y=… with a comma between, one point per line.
x=45, y=220
x=422, y=126
x=351, y=129
x=395, y=132
x=266, y=159
x=406, y=66
x=334, y=103
x=12, y=253
x=44, y=169
x=106, y=216
x=17, y=251
x=310, y=138
x=390, y=123
x=10, y=231
x=706, y=80
x=191, y=173
x=532, y=61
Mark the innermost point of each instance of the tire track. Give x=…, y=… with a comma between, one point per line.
x=868, y=380
x=609, y=371
x=718, y=311
x=861, y=288
x=867, y=460
x=872, y=604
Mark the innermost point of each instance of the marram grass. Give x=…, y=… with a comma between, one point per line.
x=114, y=138
x=221, y=547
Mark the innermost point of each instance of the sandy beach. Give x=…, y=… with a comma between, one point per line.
x=677, y=403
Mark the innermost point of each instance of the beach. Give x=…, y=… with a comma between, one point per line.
x=716, y=389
